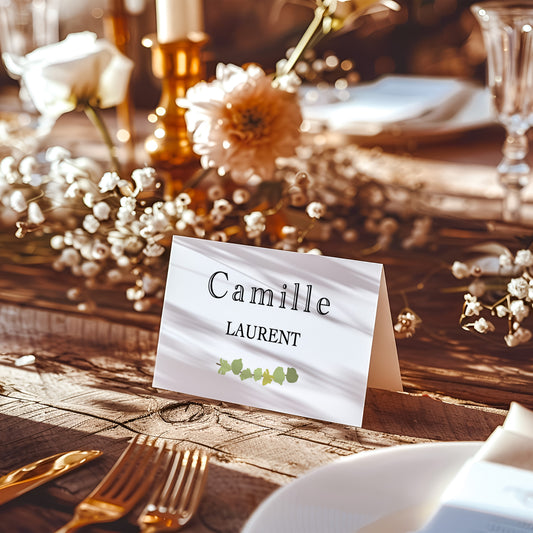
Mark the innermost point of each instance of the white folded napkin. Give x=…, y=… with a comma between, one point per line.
x=388, y=101
x=493, y=491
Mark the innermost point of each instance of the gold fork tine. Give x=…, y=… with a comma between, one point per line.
x=123, y=486
x=192, y=472
x=132, y=471
x=173, y=504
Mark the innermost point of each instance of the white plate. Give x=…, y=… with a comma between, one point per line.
x=399, y=106
x=390, y=490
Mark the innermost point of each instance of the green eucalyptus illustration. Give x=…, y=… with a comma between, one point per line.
x=279, y=375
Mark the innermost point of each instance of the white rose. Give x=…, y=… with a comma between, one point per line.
x=79, y=69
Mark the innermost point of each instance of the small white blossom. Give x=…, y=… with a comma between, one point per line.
x=90, y=224
x=524, y=258
x=481, y=325
x=183, y=199
x=8, y=165
x=28, y=166
x=101, y=210
x=223, y=206
x=17, y=202
x=35, y=215
x=520, y=336
x=70, y=257
x=406, y=324
x=316, y=210
x=88, y=199
x=90, y=269
x=460, y=270
x=518, y=287
x=108, y=182
x=188, y=216
x=255, y=224
x=501, y=311
x=144, y=178
x=57, y=153
x=57, y=242
x=73, y=190
x=153, y=250
x=505, y=261
x=519, y=310
x=472, y=306
x=241, y=196
x=388, y=226
x=100, y=251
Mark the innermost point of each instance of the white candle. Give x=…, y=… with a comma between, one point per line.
x=177, y=18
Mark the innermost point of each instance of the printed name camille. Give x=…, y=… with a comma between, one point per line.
x=265, y=297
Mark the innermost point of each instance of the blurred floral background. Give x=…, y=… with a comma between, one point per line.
x=432, y=37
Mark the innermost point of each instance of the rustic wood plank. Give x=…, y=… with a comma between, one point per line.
x=90, y=387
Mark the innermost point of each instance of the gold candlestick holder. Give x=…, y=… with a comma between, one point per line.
x=179, y=66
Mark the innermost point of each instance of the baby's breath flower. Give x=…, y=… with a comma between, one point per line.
x=101, y=210
x=57, y=153
x=255, y=224
x=153, y=250
x=460, y=270
x=108, y=182
x=144, y=178
x=90, y=269
x=220, y=236
x=241, y=196
x=518, y=287
x=524, y=258
x=472, y=306
x=27, y=166
x=70, y=257
x=215, y=192
x=35, y=215
x=406, y=324
x=100, y=251
x=501, y=311
x=17, y=202
x=183, y=199
x=520, y=336
x=505, y=261
x=223, y=206
x=519, y=310
x=481, y=325
x=316, y=210
x=57, y=242
x=90, y=224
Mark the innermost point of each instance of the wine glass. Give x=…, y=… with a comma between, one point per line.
x=507, y=29
x=24, y=26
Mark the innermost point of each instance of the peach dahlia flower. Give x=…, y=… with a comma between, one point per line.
x=241, y=122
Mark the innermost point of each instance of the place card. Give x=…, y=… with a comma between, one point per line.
x=302, y=334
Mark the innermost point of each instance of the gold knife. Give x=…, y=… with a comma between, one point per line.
x=34, y=474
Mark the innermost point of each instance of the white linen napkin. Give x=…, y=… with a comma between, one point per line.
x=493, y=491
x=391, y=100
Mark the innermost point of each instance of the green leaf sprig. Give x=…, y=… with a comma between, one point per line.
x=279, y=375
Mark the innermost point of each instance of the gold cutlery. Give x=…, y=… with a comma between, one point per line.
x=35, y=474
x=122, y=487
x=175, y=501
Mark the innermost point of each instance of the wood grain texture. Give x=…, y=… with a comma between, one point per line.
x=90, y=387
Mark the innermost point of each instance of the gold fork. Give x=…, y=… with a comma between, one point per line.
x=127, y=481
x=174, y=502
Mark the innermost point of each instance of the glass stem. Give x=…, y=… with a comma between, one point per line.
x=513, y=172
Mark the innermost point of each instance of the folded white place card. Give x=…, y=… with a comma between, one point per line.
x=297, y=333
x=493, y=491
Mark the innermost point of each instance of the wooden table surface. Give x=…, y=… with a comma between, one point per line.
x=90, y=387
